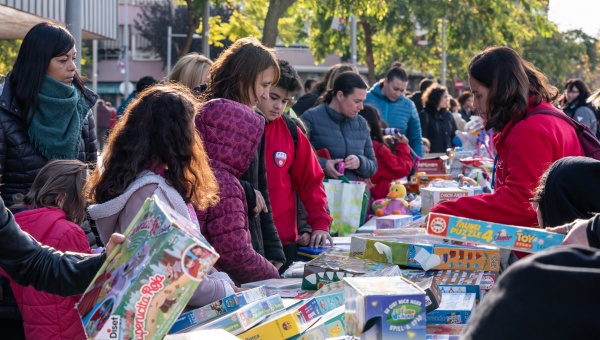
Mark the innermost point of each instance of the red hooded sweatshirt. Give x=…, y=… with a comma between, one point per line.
x=292, y=170
x=525, y=150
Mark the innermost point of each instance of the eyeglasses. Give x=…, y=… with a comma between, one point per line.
x=535, y=203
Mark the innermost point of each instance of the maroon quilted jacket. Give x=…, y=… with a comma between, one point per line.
x=231, y=132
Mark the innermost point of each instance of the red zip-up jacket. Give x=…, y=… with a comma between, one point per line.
x=389, y=167
x=525, y=150
x=290, y=171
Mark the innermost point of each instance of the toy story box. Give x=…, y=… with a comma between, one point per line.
x=328, y=268
x=425, y=252
x=218, y=308
x=287, y=323
x=384, y=308
x=146, y=281
x=494, y=234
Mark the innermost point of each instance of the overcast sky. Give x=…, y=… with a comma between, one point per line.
x=574, y=14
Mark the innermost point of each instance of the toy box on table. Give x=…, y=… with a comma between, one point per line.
x=246, y=317
x=431, y=196
x=392, y=221
x=495, y=234
x=393, y=305
x=454, y=309
x=331, y=325
x=446, y=332
x=203, y=334
x=450, y=281
x=418, y=181
x=309, y=253
x=218, y=308
x=147, y=281
x=434, y=163
x=433, y=293
x=287, y=288
x=328, y=268
x=285, y=324
x=424, y=252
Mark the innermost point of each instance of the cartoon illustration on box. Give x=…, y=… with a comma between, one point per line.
x=145, y=283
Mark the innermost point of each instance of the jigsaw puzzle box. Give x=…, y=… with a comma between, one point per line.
x=147, y=281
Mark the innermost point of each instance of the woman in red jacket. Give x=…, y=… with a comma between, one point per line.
x=51, y=212
x=393, y=163
x=507, y=90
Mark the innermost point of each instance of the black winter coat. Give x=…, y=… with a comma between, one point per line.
x=20, y=161
x=439, y=127
x=265, y=239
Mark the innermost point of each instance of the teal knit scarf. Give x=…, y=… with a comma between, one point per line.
x=55, y=127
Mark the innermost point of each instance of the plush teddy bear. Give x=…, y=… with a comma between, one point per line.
x=394, y=203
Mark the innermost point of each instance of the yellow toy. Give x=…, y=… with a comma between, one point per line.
x=394, y=204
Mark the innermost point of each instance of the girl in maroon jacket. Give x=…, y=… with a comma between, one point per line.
x=51, y=212
x=391, y=164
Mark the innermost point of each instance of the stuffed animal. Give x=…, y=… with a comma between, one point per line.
x=394, y=204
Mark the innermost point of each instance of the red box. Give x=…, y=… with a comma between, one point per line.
x=435, y=163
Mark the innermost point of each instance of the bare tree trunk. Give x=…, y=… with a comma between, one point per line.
x=193, y=19
x=276, y=10
x=368, y=29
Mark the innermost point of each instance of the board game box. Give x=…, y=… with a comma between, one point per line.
x=218, y=308
x=147, y=281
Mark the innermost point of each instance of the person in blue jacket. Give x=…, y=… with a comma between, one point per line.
x=388, y=96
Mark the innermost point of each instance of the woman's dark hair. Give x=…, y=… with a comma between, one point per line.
x=236, y=69
x=432, y=96
x=157, y=129
x=42, y=43
x=345, y=82
x=58, y=180
x=464, y=97
x=584, y=91
x=371, y=115
x=396, y=71
x=510, y=80
x=452, y=103
x=308, y=83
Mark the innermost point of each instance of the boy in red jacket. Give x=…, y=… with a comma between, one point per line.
x=292, y=168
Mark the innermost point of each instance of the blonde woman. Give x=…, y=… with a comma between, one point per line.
x=190, y=70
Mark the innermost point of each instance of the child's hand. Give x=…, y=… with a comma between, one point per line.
x=114, y=240
x=319, y=238
x=304, y=239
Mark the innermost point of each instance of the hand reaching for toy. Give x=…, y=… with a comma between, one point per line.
x=352, y=162
x=462, y=179
x=319, y=238
x=576, y=233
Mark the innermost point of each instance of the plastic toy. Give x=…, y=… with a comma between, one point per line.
x=475, y=136
x=394, y=204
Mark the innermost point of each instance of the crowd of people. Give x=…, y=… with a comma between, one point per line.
x=212, y=141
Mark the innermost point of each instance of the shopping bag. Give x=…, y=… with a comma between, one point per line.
x=347, y=202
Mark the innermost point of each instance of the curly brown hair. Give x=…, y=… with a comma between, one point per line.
x=236, y=69
x=157, y=129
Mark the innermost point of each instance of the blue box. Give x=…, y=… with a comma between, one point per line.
x=309, y=253
x=396, y=305
x=454, y=309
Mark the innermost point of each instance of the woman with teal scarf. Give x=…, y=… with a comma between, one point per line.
x=44, y=115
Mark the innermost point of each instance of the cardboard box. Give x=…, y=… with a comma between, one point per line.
x=392, y=221
x=246, y=317
x=431, y=196
x=286, y=288
x=331, y=325
x=218, y=308
x=433, y=293
x=309, y=253
x=328, y=268
x=434, y=163
x=421, y=252
x=395, y=307
x=147, y=281
x=419, y=181
x=454, y=309
x=450, y=332
x=451, y=281
x=495, y=234
x=203, y=334
x=286, y=324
